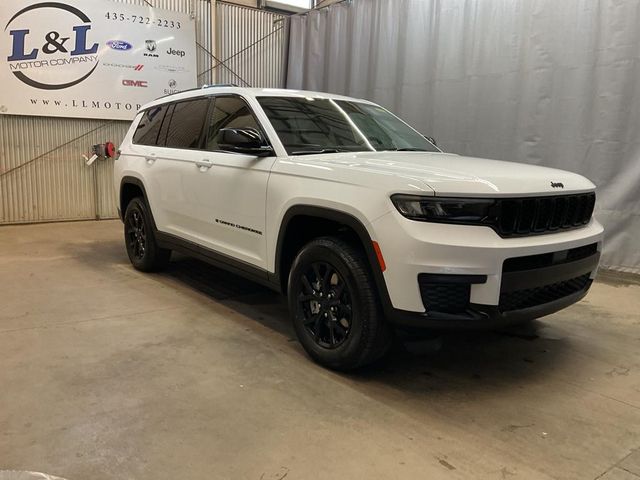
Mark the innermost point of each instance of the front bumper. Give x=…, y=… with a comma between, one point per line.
x=505, y=280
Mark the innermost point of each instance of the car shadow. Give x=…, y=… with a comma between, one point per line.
x=436, y=360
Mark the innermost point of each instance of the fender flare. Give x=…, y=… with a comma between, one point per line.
x=340, y=217
x=138, y=183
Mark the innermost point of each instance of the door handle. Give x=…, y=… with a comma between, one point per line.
x=204, y=164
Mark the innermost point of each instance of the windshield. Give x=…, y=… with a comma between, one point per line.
x=319, y=125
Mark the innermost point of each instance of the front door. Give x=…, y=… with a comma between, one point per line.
x=229, y=191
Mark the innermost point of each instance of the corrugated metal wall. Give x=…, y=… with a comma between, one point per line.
x=254, y=42
x=42, y=174
x=38, y=186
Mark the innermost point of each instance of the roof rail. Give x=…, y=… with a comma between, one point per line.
x=199, y=88
x=219, y=85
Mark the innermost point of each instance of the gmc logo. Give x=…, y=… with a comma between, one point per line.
x=134, y=83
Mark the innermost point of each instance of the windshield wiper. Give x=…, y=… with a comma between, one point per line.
x=319, y=151
x=405, y=149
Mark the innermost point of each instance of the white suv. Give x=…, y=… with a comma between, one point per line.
x=360, y=220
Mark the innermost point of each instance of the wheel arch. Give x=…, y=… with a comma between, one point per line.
x=130, y=185
x=283, y=258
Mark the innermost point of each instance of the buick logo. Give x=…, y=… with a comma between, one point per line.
x=172, y=87
x=557, y=185
x=32, y=50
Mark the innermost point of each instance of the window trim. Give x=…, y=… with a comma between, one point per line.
x=170, y=108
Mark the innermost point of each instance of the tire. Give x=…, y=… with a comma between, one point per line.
x=143, y=250
x=334, y=305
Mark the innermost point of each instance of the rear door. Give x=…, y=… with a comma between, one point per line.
x=140, y=158
x=175, y=160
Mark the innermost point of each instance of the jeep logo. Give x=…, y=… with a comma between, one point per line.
x=557, y=185
x=178, y=53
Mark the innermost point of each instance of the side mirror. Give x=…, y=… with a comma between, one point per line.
x=431, y=139
x=243, y=140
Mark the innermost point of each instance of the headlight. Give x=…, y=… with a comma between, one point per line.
x=446, y=210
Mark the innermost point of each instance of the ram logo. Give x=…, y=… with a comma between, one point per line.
x=557, y=185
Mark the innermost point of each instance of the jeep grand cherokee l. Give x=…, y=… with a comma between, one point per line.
x=361, y=221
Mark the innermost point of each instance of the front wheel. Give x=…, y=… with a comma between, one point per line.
x=334, y=305
x=142, y=248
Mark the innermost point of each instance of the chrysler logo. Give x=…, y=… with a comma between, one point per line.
x=557, y=185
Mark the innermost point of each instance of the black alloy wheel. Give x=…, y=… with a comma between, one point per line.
x=334, y=304
x=325, y=305
x=136, y=235
x=144, y=252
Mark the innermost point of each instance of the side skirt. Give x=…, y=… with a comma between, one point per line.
x=237, y=267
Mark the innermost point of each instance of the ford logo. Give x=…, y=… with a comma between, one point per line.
x=119, y=45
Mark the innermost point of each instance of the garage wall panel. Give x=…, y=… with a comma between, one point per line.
x=541, y=82
x=37, y=186
x=254, y=42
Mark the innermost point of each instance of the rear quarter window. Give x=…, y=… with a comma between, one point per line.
x=149, y=127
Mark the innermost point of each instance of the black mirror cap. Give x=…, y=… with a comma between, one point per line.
x=243, y=140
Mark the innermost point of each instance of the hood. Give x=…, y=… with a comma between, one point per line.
x=454, y=175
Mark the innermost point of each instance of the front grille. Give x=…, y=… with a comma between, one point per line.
x=445, y=297
x=531, y=297
x=531, y=216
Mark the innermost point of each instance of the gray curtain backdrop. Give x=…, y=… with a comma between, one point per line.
x=546, y=82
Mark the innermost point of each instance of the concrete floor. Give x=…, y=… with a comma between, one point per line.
x=108, y=373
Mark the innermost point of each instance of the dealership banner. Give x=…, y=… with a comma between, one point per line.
x=91, y=58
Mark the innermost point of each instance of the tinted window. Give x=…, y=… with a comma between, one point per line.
x=149, y=126
x=229, y=112
x=383, y=130
x=186, y=123
x=312, y=125
x=305, y=124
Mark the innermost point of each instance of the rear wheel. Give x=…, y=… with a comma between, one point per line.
x=334, y=305
x=142, y=248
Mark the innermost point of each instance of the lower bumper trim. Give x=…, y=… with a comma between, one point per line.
x=481, y=316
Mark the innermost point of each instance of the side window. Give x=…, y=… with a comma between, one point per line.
x=229, y=112
x=186, y=123
x=149, y=126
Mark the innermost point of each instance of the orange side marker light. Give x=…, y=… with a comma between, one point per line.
x=376, y=247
